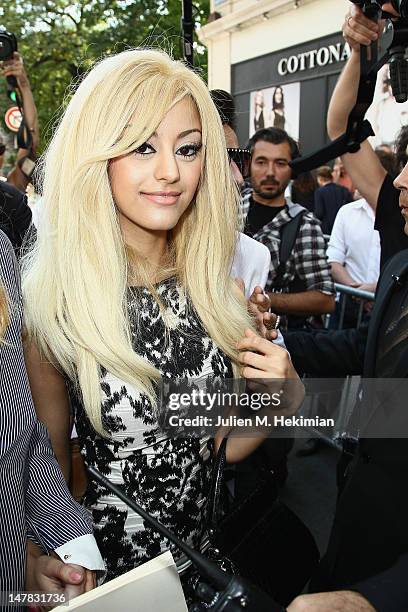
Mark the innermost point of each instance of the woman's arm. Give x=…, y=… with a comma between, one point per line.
x=51, y=404
x=270, y=368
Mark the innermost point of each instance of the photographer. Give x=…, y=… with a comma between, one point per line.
x=366, y=563
x=364, y=167
x=15, y=214
x=19, y=175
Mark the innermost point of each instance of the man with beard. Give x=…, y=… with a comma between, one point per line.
x=299, y=283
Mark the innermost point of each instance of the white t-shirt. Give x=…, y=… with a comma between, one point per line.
x=355, y=243
x=251, y=263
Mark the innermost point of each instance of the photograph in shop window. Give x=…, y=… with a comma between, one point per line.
x=277, y=106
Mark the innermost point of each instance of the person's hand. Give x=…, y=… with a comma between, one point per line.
x=371, y=287
x=15, y=67
x=337, y=601
x=359, y=29
x=50, y=575
x=259, y=305
x=268, y=368
x=262, y=359
x=260, y=299
x=388, y=8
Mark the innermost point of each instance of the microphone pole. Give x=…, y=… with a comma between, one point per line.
x=234, y=593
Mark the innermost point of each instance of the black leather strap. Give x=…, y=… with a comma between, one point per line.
x=215, y=491
x=288, y=235
x=340, y=146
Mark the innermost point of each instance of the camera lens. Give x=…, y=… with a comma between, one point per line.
x=5, y=48
x=8, y=44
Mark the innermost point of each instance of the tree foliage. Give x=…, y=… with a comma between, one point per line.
x=60, y=40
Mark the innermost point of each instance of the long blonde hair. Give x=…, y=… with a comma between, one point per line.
x=75, y=276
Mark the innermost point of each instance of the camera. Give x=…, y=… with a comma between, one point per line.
x=399, y=5
x=397, y=50
x=8, y=44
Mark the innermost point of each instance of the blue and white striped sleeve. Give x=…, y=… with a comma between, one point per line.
x=54, y=519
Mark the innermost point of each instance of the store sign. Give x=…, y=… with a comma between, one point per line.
x=314, y=58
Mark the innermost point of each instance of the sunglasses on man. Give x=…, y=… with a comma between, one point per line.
x=242, y=158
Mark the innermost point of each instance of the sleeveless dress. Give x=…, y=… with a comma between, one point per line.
x=168, y=477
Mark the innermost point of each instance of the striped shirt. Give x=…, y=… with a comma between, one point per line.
x=34, y=499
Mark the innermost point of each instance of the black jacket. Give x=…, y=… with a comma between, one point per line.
x=15, y=214
x=327, y=202
x=368, y=547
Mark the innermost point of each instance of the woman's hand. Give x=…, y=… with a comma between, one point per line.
x=270, y=374
x=268, y=369
x=261, y=358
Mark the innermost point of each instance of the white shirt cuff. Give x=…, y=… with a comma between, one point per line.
x=82, y=551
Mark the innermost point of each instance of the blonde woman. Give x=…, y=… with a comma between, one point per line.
x=35, y=501
x=129, y=282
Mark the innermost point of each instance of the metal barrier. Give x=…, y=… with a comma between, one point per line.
x=345, y=291
x=351, y=384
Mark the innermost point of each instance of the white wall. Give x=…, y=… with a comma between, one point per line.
x=293, y=27
x=244, y=33
x=219, y=62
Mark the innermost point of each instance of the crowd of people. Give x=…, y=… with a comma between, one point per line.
x=164, y=250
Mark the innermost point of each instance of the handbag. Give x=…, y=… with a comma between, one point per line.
x=265, y=541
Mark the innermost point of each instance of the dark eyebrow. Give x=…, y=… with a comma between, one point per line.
x=278, y=159
x=185, y=133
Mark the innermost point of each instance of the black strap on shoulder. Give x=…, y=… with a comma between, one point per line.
x=288, y=235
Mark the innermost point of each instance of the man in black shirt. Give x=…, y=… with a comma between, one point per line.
x=300, y=285
x=366, y=564
x=364, y=167
x=329, y=198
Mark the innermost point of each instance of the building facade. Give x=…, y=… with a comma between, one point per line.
x=280, y=59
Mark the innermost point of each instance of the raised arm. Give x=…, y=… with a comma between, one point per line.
x=15, y=67
x=364, y=167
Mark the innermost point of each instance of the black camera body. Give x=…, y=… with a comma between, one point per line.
x=397, y=51
x=399, y=5
x=8, y=44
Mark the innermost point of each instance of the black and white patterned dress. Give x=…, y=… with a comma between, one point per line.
x=167, y=476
